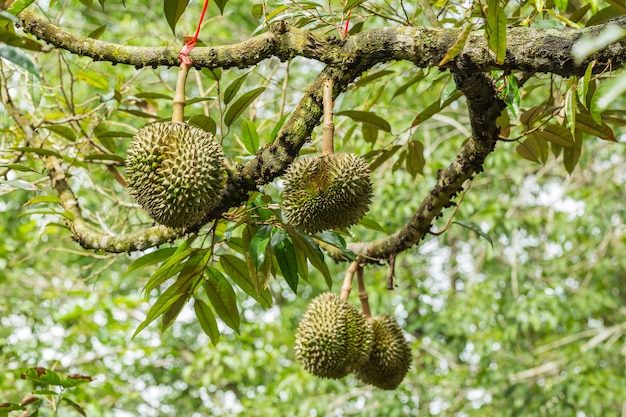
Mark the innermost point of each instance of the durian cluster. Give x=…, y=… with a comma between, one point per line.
x=175, y=172
x=327, y=192
x=334, y=339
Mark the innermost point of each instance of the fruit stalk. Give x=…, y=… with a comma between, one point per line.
x=328, y=129
x=365, y=305
x=178, y=104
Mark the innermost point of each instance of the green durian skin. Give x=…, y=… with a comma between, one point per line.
x=390, y=357
x=333, y=338
x=327, y=192
x=175, y=172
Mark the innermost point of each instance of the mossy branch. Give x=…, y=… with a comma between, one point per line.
x=528, y=49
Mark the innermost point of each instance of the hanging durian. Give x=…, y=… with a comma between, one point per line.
x=175, y=171
x=333, y=338
x=332, y=191
x=390, y=356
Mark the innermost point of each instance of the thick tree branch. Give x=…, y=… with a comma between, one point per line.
x=81, y=231
x=528, y=49
x=484, y=109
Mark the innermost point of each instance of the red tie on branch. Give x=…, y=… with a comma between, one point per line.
x=192, y=43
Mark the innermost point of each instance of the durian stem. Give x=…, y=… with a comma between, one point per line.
x=328, y=129
x=365, y=305
x=178, y=104
x=347, y=281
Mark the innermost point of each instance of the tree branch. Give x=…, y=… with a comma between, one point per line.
x=484, y=109
x=528, y=49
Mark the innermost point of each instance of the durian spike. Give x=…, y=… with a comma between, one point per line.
x=328, y=129
x=365, y=305
x=347, y=281
x=178, y=104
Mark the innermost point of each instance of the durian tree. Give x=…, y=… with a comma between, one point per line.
x=461, y=160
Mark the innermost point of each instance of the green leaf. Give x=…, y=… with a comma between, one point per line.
x=214, y=74
x=475, y=228
x=287, y=262
x=237, y=270
x=41, y=376
x=114, y=134
x=367, y=117
x=222, y=297
x=495, y=29
x=241, y=104
x=97, y=32
x=150, y=259
x=534, y=148
x=583, y=84
x=207, y=321
x=249, y=136
x=258, y=245
x=19, y=5
x=93, y=79
x=74, y=380
x=161, y=305
x=351, y=4
x=154, y=95
x=458, y=45
x=75, y=406
x=43, y=199
x=277, y=127
x=435, y=108
x=19, y=58
x=19, y=167
x=203, y=122
x=421, y=74
x=585, y=123
x=10, y=38
x=100, y=157
x=312, y=251
x=571, y=156
x=168, y=318
x=371, y=224
x=38, y=151
x=63, y=131
x=169, y=268
x=336, y=240
x=415, y=158
x=557, y=134
x=221, y=4
x=372, y=77
x=173, y=10
x=233, y=88
x=259, y=274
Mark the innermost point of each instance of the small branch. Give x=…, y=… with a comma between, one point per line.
x=365, y=305
x=347, y=281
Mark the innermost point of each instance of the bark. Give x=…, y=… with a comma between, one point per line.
x=528, y=49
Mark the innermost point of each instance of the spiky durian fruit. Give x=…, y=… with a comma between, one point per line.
x=175, y=172
x=327, y=192
x=333, y=338
x=390, y=357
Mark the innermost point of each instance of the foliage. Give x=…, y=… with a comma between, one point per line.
x=513, y=303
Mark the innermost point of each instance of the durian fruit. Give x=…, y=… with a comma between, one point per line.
x=175, y=172
x=327, y=192
x=333, y=338
x=390, y=357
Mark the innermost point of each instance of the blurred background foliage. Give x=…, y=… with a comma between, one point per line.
x=526, y=317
